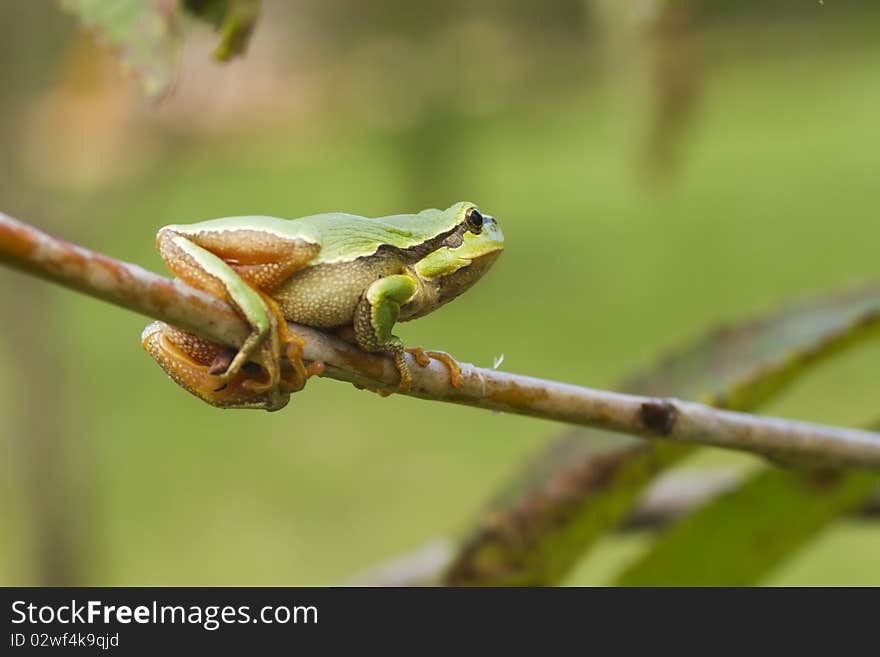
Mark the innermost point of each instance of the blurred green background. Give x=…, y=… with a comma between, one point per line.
x=656, y=169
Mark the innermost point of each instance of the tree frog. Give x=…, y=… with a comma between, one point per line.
x=330, y=271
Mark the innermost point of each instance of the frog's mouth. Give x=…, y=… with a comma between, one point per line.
x=461, y=280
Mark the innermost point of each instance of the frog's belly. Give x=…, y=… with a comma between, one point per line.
x=327, y=295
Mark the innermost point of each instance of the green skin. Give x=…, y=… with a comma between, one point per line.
x=328, y=270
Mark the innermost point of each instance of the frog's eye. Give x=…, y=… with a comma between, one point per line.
x=474, y=221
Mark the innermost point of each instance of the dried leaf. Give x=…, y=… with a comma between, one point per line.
x=144, y=33
x=148, y=35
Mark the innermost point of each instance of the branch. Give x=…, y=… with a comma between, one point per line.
x=25, y=248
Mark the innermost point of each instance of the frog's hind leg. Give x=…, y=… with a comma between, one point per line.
x=205, y=270
x=290, y=344
x=243, y=269
x=189, y=361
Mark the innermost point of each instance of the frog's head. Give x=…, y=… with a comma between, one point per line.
x=465, y=256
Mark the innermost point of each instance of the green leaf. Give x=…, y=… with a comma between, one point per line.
x=586, y=483
x=144, y=33
x=742, y=366
x=739, y=538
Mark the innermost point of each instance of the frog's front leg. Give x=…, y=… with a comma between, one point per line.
x=376, y=314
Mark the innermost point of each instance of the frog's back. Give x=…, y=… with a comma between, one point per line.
x=345, y=237
x=342, y=237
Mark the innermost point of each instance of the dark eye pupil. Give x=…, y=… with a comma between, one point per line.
x=475, y=219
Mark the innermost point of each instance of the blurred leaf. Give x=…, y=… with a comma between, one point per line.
x=740, y=537
x=585, y=483
x=235, y=19
x=676, y=70
x=534, y=532
x=144, y=33
x=742, y=366
x=147, y=33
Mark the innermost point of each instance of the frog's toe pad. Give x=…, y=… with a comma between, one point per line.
x=423, y=358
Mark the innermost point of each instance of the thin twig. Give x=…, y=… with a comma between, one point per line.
x=422, y=566
x=28, y=249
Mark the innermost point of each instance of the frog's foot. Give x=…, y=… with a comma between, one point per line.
x=191, y=362
x=399, y=355
x=290, y=373
x=230, y=365
x=292, y=380
x=286, y=374
x=423, y=358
